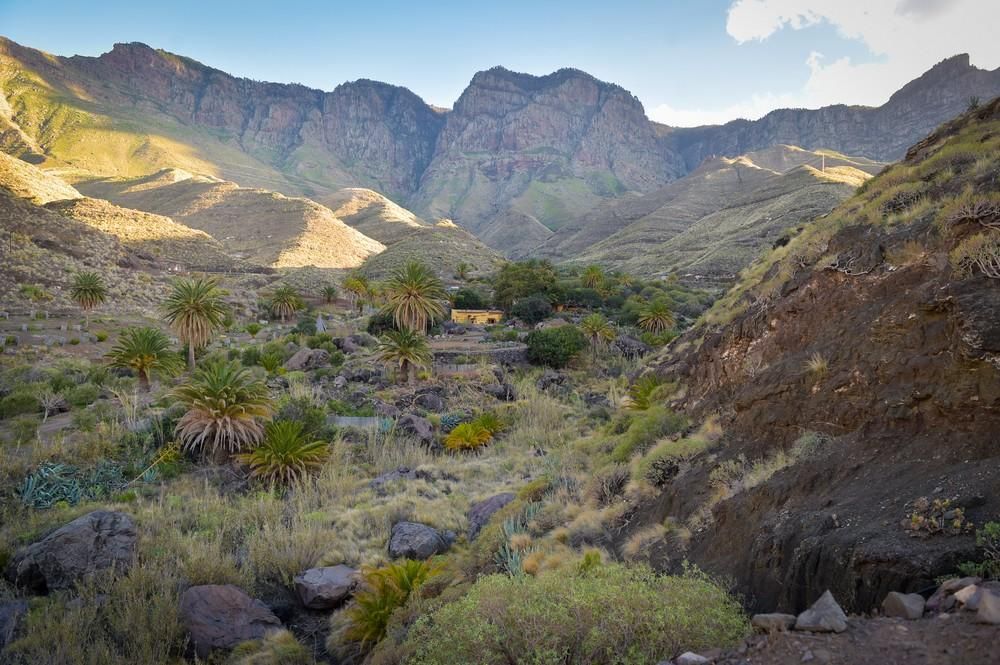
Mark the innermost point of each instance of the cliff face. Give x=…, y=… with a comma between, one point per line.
x=547, y=147
x=883, y=133
x=516, y=146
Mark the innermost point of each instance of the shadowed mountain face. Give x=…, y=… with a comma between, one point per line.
x=534, y=152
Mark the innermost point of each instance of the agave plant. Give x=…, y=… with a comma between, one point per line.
x=146, y=351
x=407, y=348
x=285, y=302
x=226, y=409
x=467, y=436
x=88, y=291
x=656, y=317
x=415, y=296
x=194, y=309
x=285, y=456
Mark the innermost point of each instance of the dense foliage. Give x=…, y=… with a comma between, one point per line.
x=555, y=347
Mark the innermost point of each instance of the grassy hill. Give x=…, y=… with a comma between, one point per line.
x=442, y=246
x=255, y=225
x=373, y=214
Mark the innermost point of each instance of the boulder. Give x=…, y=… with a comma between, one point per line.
x=379, y=482
x=325, y=588
x=503, y=392
x=773, y=623
x=96, y=541
x=416, y=427
x=480, y=513
x=943, y=599
x=363, y=339
x=989, y=608
x=630, y=347
x=825, y=616
x=690, y=658
x=385, y=409
x=549, y=378
x=221, y=616
x=430, y=402
x=11, y=614
x=411, y=540
x=968, y=597
x=306, y=359
x=903, y=605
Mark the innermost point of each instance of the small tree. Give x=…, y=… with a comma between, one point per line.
x=285, y=302
x=656, y=317
x=88, y=291
x=555, y=347
x=329, y=294
x=592, y=277
x=406, y=348
x=463, y=270
x=532, y=309
x=146, y=351
x=414, y=296
x=194, y=309
x=598, y=330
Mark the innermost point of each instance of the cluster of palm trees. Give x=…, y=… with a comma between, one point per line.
x=415, y=297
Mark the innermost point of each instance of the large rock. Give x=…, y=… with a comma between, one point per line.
x=773, y=623
x=96, y=541
x=501, y=391
x=989, y=607
x=306, y=359
x=221, y=616
x=825, y=616
x=416, y=427
x=430, y=402
x=325, y=588
x=690, y=658
x=11, y=614
x=630, y=347
x=411, y=540
x=943, y=600
x=903, y=605
x=481, y=513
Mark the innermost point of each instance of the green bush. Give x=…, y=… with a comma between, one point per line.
x=532, y=310
x=83, y=394
x=101, y=336
x=18, y=403
x=610, y=614
x=250, y=356
x=466, y=298
x=646, y=427
x=555, y=347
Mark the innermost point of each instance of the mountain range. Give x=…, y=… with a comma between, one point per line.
x=518, y=158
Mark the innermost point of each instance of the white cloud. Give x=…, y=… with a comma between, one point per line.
x=908, y=36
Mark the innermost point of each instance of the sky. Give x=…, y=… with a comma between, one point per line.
x=690, y=62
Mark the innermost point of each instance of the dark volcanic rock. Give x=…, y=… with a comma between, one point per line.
x=222, y=616
x=94, y=542
x=480, y=513
x=410, y=540
x=325, y=588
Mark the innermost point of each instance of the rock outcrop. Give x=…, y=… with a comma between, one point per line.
x=221, y=616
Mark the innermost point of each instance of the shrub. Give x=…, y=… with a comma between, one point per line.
x=82, y=395
x=467, y=298
x=384, y=591
x=73, y=341
x=817, y=365
x=253, y=328
x=645, y=429
x=608, y=484
x=533, y=309
x=609, y=614
x=19, y=402
x=467, y=436
x=101, y=336
x=641, y=393
x=933, y=517
x=490, y=422
x=979, y=252
x=286, y=455
x=276, y=648
x=988, y=539
x=225, y=407
x=250, y=356
x=555, y=347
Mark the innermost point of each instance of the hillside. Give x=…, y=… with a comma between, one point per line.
x=853, y=370
x=442, y=246
x=713, y=222
x=254, y=225
x=515, y=147
x=373, y=214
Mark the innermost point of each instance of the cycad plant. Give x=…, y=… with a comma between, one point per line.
x=643, y=392
x=467, y=436
x=226, y=410
x=415, y=296
x=88, y=291
x=384, y=591
x=285, y=302
x=598, y=330
x=194, y=309
x=329, y=294
x=146, y=351
x=656, y=317
x=592, y=277
x=463, y=270
x=405, y=348
x=285, y=456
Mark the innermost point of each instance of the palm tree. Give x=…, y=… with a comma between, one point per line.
x=226, y=408
x=592, y=277
x=195, y=310
x=656, y=317
x=407, y=348
x=88, y=291
x=146, y=351
x=626, y=280
x=285, y=302
x=462, y=270
x=285, y=456
x=359, y=289
x=414, y=296
x=329, y=293
x=598, y=330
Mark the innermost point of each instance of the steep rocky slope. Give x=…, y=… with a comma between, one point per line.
x=255, y=225
x=854, y=370
x=442, y=246
x=882, y=133
x=516, y=149
x=373, y=214
x=713, y=222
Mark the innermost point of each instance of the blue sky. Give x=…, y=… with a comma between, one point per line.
x=689, y=62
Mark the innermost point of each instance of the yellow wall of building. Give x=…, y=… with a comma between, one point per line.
x=476, y=316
